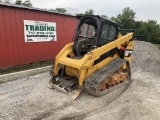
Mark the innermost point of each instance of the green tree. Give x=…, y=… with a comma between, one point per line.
x=79, y=14
x=89, y=12
x=138, y=24
x=60, y=10
x=150, y=30
x=18, y=2
x=126, y=19
x=104, y=16
x=27, y=3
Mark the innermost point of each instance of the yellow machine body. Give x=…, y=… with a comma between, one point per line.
x=98, y=46
x=82, y=68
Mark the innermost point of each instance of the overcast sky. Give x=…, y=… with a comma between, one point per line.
x=145, y=9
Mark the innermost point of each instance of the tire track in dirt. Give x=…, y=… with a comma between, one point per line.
x=84, y=114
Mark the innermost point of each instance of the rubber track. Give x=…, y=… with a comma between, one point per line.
x=92, y=82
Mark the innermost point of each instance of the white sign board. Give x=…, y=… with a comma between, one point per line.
x=39, y=31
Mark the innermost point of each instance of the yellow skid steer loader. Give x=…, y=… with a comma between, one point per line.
x=98, y=60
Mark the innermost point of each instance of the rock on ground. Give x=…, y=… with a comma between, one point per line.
x=30, y=99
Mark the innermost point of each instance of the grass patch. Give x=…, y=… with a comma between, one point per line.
x=5, y=81
x=1, y=81
x=25, y=67
x=158, y=45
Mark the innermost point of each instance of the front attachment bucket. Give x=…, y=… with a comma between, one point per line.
x=65, y=85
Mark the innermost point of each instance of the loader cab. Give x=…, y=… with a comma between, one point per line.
x=93, y=32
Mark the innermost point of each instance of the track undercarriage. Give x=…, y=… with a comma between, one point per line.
x=106, y=79
x=99, y=83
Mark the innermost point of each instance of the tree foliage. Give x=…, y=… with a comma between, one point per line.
x=104, y=16
x=60, y=10
x=18, y=2
x=80, y=14
x=150, y=30
x=89, y=12
x=126, y=19
x=27, y=3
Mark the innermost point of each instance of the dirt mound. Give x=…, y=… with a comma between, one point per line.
x=146, y=58
x=29, y=98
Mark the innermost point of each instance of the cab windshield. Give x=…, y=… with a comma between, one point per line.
x=86, y=31
x=85, y=37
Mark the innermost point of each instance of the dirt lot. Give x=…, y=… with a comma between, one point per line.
x=29, y=98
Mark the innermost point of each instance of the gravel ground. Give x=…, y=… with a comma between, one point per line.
x=30, y=99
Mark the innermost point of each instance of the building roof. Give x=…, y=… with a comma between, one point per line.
x=33, y=8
